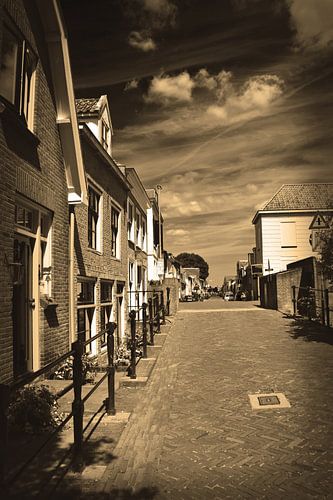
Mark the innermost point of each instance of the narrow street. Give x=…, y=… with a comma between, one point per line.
x=194, y=434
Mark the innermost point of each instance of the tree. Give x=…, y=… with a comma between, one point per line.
x=326, y=253
x=194, y=260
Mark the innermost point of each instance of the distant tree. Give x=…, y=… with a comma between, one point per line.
x=326, y=253
x=194, y=260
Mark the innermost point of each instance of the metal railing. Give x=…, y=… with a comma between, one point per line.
x=77, y=413
x=140, y=297
x=153, y=316
x=312, y=302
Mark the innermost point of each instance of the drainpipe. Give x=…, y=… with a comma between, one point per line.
x=71, y=276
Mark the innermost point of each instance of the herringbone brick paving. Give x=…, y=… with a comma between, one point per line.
x=193, y=433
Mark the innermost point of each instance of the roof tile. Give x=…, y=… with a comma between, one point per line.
x=89, y=106
x=302, y=197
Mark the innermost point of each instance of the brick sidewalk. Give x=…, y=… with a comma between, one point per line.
x=193, y=433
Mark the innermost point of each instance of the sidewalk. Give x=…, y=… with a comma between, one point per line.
x=53, y=470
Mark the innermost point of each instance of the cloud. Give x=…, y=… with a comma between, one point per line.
x=141, y=41
x=177, y=232
x=313, y=21
x=162, y=12
x=131, y=85
x=169, y=89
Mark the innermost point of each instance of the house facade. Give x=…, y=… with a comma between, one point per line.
x=41, y=174
x=155, y=239
x=100, y=231
x=284, y=227
x=138, y=204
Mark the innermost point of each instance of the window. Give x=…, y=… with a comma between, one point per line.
x=86, y=309
x=137, y=228
x=24, y=217
x=93, y=218
x=17, y=73
x=106, y=291
x=114, y=232
x=105, y=134
x=106, y=307
x=45, y=266
x=143, y=234
x=288, y=234
x=130, y=222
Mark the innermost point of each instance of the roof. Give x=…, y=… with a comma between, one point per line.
x=302, y=197
x=89, y=106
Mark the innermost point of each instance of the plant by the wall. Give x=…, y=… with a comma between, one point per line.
x=34, y=409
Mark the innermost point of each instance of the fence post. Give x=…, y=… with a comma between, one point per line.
x=78, y=405
x=110, y=400
x=168, y=301
x=323, y=308
x=162, y=307
x=327, y=302
x=157, y=314
x=294, y=300
x=4, y=403
x=144, y=330
x=137, y=303
x=151, y=320
x=133, y=344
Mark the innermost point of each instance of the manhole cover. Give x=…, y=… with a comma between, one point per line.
x=268, y=400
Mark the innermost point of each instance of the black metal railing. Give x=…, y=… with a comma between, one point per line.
x=136, y=298
x=153, y=316
x=77, y=413
x=312, y=303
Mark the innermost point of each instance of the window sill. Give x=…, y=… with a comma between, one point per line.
x=11, y=115
x=97, y=252
x=117, y=259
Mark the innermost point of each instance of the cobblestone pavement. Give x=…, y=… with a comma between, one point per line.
x=193, y=433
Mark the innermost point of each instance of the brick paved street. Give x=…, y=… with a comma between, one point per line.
x=194, y=434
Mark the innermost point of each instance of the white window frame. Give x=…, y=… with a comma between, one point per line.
x=118, y=238
x=23, y=86
x=99, y=224
x=130, y=226
x=89, y=307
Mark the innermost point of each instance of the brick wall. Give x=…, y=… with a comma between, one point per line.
x=101, y=264
x=285, y=281
x=32, y=165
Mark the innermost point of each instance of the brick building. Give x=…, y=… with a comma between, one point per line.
x=100, y=239
x=41, y=171
x=138, y=205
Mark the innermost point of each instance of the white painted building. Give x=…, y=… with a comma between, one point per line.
x=283, y=227
x=155, y=238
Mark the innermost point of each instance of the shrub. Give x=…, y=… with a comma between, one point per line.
x=34, y=409
x=306, y=305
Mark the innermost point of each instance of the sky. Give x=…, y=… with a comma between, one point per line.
x=218, y=101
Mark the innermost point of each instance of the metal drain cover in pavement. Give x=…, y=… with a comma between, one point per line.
x=268, y=400
x=274, y=400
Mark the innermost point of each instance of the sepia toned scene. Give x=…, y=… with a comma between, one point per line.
x=166, y=249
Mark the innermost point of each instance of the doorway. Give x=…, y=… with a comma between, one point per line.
x=23, y=305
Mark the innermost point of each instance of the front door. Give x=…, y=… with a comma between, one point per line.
x=23, y=305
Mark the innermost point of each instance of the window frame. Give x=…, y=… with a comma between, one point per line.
x=130, y=221
x=115, y=233
x=94, y=218
x=24, y=74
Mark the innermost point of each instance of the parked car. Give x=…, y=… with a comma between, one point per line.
x=188, y=298
x=228, y=296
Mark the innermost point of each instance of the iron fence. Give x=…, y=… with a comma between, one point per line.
x=77, y=351
x=312, y=303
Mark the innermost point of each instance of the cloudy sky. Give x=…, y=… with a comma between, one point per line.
x=219, y=101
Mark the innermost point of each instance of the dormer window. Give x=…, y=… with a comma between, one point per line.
x=105, y=135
